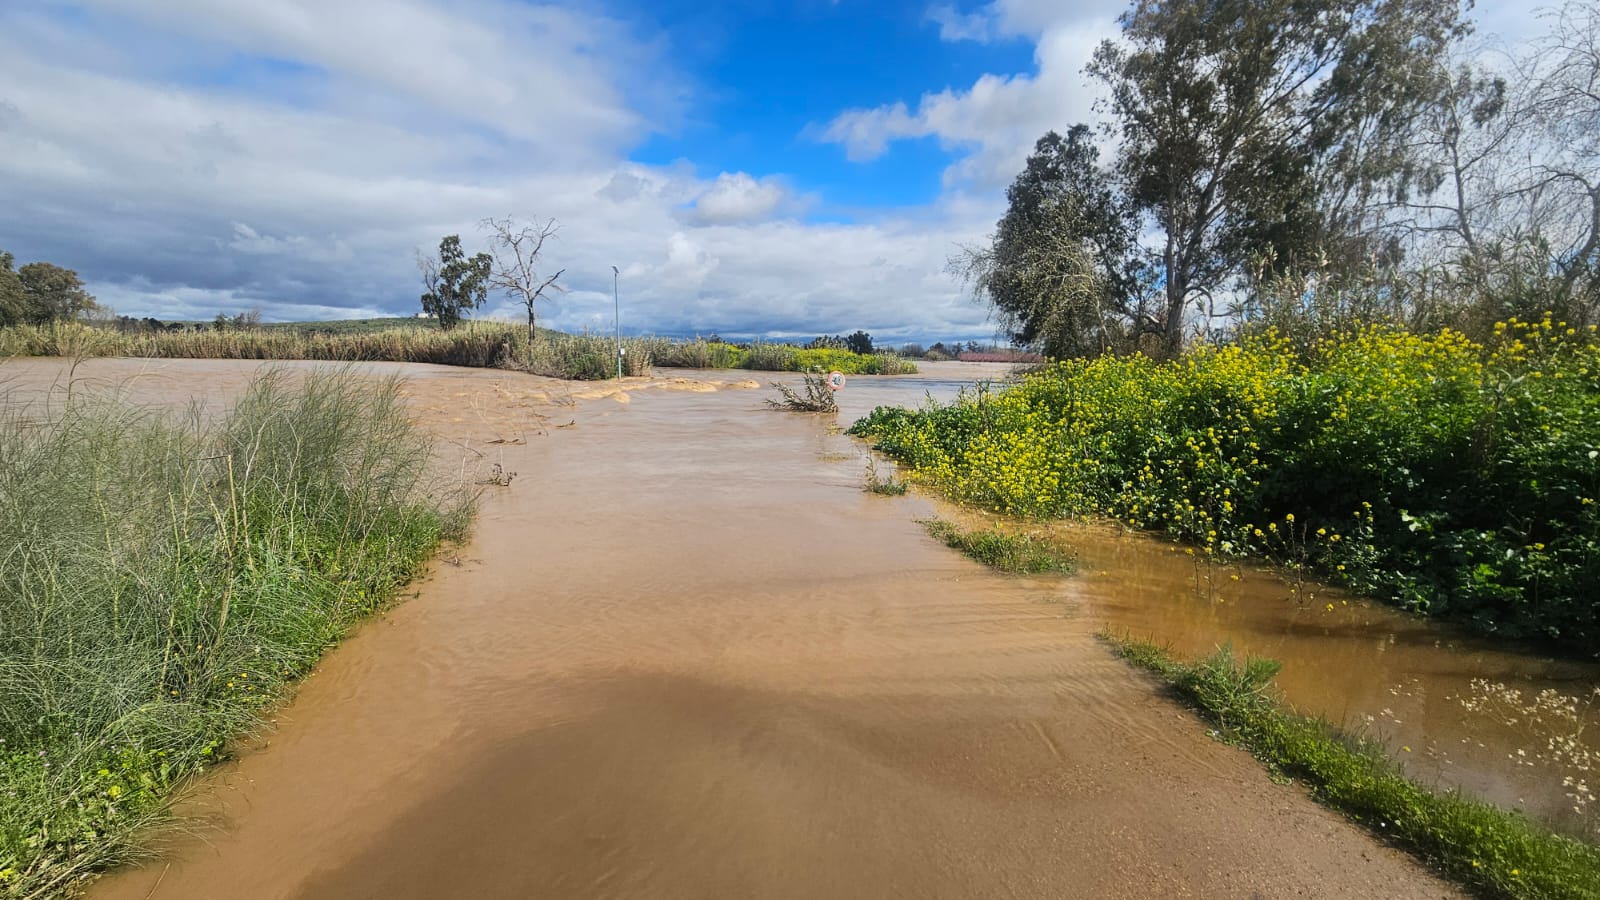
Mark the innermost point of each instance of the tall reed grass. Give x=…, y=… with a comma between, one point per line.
x=163, y=579
x=584, y=357
x=476, y=344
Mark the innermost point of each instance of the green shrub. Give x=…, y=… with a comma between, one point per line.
x=164, y=580
x=1448, y=477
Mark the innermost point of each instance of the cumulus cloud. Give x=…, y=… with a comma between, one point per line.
x=740, y=197
x=993, y=123
x=192, y=157
x=955, y=25
x=1032, y=19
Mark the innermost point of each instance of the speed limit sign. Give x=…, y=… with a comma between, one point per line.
x=836, y=381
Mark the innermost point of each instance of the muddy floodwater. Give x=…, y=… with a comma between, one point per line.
x=685, y=655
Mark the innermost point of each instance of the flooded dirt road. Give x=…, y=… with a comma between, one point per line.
x=686, y=656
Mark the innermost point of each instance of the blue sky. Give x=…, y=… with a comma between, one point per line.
x=777, y=167
x=770, y=73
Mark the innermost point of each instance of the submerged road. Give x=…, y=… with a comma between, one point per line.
x=686, y=656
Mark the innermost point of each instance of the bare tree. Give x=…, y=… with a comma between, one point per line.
x=1564, y=190
x=1453, y=192
x=1504, y=198
x=517, y=248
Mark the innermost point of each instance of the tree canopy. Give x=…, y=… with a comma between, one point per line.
x=1062, y=270
x=453, y=282
x=1253, y=137
x=40, y=292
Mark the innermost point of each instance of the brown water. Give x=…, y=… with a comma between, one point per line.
x=1456, y=710
x=685, y=655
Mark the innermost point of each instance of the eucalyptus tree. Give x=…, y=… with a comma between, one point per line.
x=1260, y=136
x=1061, y=270
x=453, y=282
x=1562, y=188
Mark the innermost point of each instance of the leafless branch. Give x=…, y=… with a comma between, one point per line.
x=517, y=251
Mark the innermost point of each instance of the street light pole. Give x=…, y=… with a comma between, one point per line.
x=616, y=321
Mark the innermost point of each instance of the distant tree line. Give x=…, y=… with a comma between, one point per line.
x=39, y=293
x=856, y=342
x=1307, y=164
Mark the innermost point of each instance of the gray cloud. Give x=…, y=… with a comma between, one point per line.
x=304, y=185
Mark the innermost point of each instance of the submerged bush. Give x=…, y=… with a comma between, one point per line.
x=817, y=396
x=1016, y=554
x=163, y=580
x=1449, y=477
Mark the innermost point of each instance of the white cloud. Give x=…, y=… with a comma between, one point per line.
x=130, y=152
x=955, y=25
x=994, y=122
x=1030, y=19
x=740, y=197
x=540, y=73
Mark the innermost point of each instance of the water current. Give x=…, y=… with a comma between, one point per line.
x=685, y=655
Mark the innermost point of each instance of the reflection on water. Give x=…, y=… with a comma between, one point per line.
x=1417, y=686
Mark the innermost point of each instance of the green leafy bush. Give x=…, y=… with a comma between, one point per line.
x=1447, y=476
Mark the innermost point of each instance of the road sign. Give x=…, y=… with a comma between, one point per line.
x=836, y=381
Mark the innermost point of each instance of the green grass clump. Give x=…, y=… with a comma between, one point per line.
x=1495, y=852
x=1445, y=476
x=163, y=580
x=889, y=486
x=1017, y=554
x=579, y=357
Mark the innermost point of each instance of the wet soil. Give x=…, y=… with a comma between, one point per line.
x=686, y=656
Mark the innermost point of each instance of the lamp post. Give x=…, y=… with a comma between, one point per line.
x=616, y=321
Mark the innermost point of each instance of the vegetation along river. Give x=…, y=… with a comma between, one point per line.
x=686, y=655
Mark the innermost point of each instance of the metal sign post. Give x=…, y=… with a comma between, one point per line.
x=616, y=321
